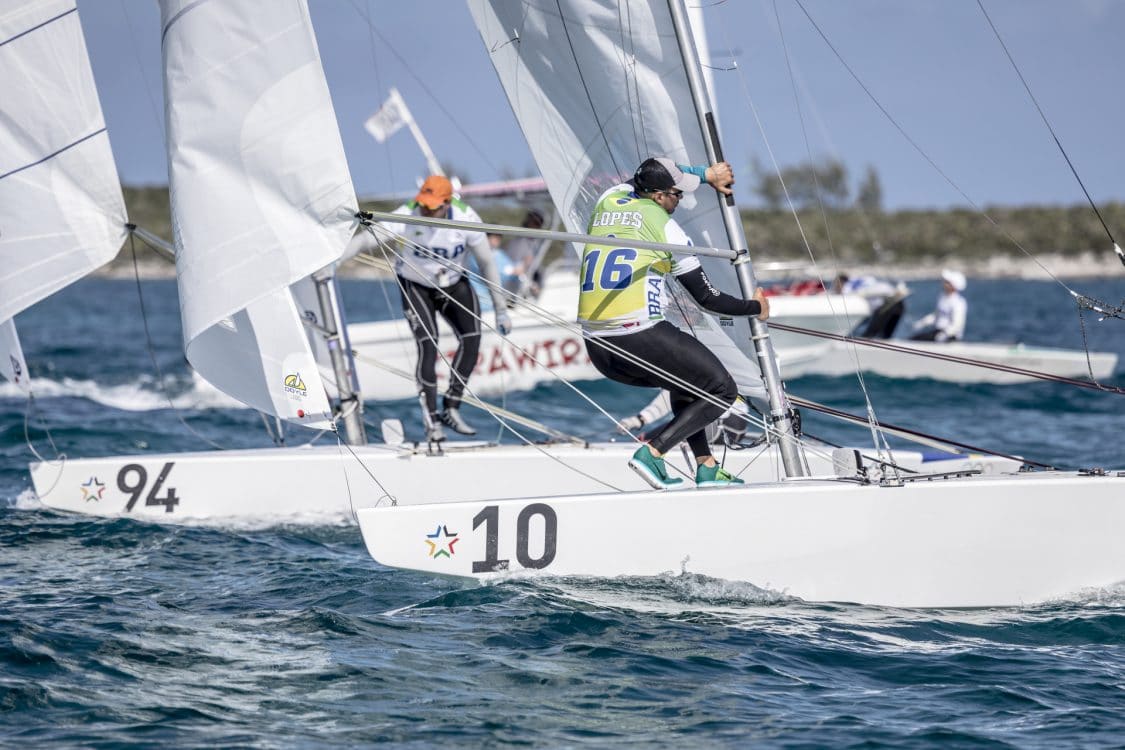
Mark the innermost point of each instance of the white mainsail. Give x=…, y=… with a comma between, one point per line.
x=62, y=214
x=261, y=194
x=598, y=86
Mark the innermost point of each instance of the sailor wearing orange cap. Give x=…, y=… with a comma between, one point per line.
x=432, y=277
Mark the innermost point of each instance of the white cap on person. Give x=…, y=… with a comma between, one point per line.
x=956, y=279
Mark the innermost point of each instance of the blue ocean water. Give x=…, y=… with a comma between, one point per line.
x=122, y=633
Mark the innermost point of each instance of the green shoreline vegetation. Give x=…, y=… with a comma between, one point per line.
x=859, y=238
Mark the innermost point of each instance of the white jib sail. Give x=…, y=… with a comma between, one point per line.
x=61, y=210
x=261, y=193
x=12, y=364
x=598, y=88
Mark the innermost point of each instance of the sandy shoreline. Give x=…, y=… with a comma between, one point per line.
x=1074, y=266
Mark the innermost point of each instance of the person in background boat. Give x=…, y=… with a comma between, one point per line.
x=432, y=278
x=947, y=321
x=505, y=269
x=620, y=308
x=523, y=252
x=887, y=300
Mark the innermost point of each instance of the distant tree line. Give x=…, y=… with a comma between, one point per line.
x=857, y=229
x=811, y=184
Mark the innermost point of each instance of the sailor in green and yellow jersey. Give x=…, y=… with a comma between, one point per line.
x=621, y=310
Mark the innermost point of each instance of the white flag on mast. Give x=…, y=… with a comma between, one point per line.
x=389, y=119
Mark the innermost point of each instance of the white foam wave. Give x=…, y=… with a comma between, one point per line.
x=143, y=394
x=670, y=594
x=27, y=500
x=1105, y=596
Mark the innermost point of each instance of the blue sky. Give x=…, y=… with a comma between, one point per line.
x=935, y=66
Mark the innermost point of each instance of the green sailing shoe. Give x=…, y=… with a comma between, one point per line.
x=715, y=476
x=652, y=470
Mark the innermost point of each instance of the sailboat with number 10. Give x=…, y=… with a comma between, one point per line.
x=595, y=84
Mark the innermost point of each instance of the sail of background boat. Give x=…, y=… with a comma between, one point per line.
x=62, y=214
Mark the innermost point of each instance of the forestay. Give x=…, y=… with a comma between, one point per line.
x=261, y=194
x=62, y=214
x=598, y=86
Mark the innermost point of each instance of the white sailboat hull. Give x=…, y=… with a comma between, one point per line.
x=975, y=542
x=833, y=358
x=319, y=484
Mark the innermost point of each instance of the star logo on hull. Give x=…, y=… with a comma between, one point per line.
x=92, y=490
x=441, y=542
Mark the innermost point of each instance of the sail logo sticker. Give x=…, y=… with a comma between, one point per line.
x=441, y=542
x=295, y=386
x=16, y=369
x=92, y=490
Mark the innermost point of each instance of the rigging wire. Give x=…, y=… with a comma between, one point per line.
x=906, y=349
x=1043, y=115
x=629, y=66
x=409, y=67
x=1083, y=301
x=840, y=413
x=922, y=152
x=33, y=406
x=154, y=110
x=60, y=458
x=152, y=350
x=383, y=234
x=853, y=350
x=386, y=494
x=366, y=13
x=555, y=320
x=586, y=89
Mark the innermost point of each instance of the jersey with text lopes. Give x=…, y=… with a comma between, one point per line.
x=434, y=256
x=622, y=289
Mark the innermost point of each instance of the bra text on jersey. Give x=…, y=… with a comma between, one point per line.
x=654, y=289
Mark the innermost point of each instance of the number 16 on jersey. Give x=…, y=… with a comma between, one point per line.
x=616, y=269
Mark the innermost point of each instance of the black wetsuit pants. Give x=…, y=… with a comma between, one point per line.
x=458, y=304
x=675, y=361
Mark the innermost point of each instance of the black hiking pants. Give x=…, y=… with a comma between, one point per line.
x=663, y=356
x=459, y=306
